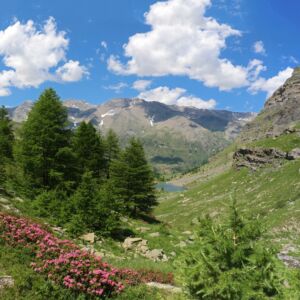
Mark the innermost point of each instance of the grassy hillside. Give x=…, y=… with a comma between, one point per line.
x=272, y=193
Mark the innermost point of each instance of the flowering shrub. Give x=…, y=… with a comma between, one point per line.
x=65, y=264
x=61, y=260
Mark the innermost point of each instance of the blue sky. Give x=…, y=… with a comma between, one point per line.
x=223, y=54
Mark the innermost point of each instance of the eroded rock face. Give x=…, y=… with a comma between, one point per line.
x=254, y=158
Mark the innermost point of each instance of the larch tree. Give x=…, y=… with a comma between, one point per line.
x=133, y=179
x=44, y=146
x=88, y=148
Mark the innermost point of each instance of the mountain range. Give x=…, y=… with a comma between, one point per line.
x=176, y=138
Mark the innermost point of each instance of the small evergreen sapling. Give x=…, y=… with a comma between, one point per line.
x=231, y=261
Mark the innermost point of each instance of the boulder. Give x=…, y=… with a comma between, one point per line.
x=131, y=243
x=294, y=154
x=140, y=246
x=88, y=237
x=6, y=281
x=156, y=255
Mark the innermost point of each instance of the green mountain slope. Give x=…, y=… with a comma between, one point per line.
x=271, y=192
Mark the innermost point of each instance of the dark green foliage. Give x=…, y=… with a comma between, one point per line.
x=112, y=150
x=88, y=148
x=93, y=209
x=52, y=205
x=85, y=200
x=44, y=136
x=66, y=174
x=6, y=142
x=133, y=179
x=231, y=261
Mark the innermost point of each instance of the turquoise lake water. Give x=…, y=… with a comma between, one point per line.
x=168, y=187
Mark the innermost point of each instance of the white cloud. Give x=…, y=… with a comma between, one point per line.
x=272, y=84
x=71, y=71
x=176, y=96
x=141, y=85
x=255, y=67
x=116, y=87
x=182, y=41
x=31, y=53
x=104, y=44
x=259, y=47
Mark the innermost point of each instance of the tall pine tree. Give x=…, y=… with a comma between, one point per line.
x=44, y=143
x=133, y=179
x=88, y=148
x=6, y=141
x=112, y=150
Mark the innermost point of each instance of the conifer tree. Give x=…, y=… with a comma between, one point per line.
x=44, y=141
x=88, y=148
x=112, y=150
x=85, y=200
x=231, y=261
x=6, y=141
x=93, y=208
x=133, y=179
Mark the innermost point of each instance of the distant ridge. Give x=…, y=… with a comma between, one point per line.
x=176, y=138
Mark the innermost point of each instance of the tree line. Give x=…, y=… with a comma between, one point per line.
x=77, y=177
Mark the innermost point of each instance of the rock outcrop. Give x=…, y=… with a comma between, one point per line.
x=257, y=157
x=254, y=158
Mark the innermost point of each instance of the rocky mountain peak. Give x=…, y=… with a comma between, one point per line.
x=19, y=114
x=281, y=111
x=78, y=104
x=289, y=91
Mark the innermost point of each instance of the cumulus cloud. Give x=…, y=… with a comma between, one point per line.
x=272, y=84
x=141, y=85
x=30, y=54
x=259, y=47
x=71, y=71
x=182, y=41
x=176, y=96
